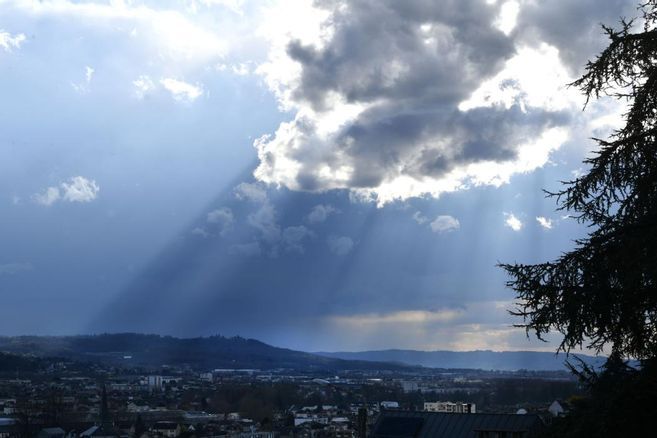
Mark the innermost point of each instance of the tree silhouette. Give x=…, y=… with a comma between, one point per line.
x=604, y=291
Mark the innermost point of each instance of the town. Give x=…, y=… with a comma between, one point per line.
x=66, y=398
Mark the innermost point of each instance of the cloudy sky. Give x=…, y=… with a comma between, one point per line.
x=327, y=175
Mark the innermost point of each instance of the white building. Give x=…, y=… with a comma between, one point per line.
x=155, y=382
x=409, y=386
x=558, y=408
x=158, y=382
x=208, y=377
x=389, y=405
x=450, y=407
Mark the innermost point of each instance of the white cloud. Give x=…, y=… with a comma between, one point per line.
x=420, y=218
x=79, y=189
x=293, y=238
x=88, y=73
x=513, y=222
x=15, y=268
x=544, y=222
x=405, y=114
x=10, y=42
x=239, y=69
x=83, y=86
x=251, y=192
x=264, y=220
x=182, y=91
x=232, y=5
x=445, y=223
x=143, y=85
x=48, y=197
x=75, y=189
x=577, y=172
x=341, y=245
x=320, y=213
x=223, y=217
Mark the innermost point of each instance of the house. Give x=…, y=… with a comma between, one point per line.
x=450, y=407
x=409, y=424
x=559, y=408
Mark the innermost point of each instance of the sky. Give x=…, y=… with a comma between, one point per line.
x=319, y=175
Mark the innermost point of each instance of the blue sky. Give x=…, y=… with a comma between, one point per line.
x=336, y=175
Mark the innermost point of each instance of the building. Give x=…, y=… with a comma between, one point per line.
x=168, y=429
x=105, y=429
x=159, y=382
x=407, y=424
x=559, y=408
x=409, y=386
x=449, y=407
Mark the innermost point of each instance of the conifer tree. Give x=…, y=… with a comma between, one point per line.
x=603, y=293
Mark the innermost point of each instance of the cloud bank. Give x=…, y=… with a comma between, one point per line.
x=400, y=99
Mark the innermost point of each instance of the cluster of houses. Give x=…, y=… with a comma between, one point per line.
x=71, y=404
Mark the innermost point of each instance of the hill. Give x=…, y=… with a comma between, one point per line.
x=201, y=353
x=481, y=359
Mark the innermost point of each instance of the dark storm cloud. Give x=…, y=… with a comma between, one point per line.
x=481, y=134
x=572, y=26
x=411, y=65
x=375, y=39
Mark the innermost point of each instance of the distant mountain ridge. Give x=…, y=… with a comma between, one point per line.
x=202, y=353
x=480, y=359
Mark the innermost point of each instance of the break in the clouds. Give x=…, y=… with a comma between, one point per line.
x=474, y=326
x=75, y=189
x=399, y=99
